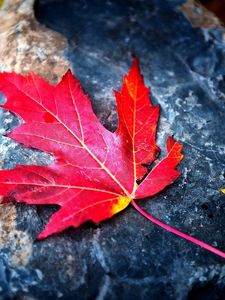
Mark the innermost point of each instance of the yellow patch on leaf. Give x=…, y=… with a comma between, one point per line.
x=121, y=204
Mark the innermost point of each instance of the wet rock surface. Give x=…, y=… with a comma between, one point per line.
x=127, y=257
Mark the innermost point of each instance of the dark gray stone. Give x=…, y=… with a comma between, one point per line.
x=127, y=257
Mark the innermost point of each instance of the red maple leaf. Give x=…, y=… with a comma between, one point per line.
x=95, y=172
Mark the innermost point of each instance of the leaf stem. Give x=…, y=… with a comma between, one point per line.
x=177, y=232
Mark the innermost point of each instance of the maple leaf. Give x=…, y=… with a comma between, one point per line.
x=96, y=172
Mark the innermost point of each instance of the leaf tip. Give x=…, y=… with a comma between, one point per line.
x=173, y=145
x=135, y=64
x=42, y=235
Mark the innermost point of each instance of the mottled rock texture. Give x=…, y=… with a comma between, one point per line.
x=199, y=16
x=26, y=45
x=127, y=257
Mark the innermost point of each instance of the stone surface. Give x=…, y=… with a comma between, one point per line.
x=199, y=16
x=127, y=257
x=26, y=45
